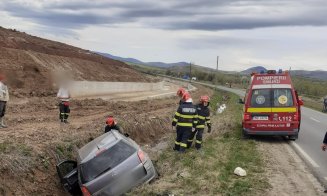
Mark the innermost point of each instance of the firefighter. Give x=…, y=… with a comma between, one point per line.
x=203, y=113
x=180, y=93
x=323, y=148
x=4, y=98
x=111, y=124
x=64, y=98
x=184, y=122
x=325, y=104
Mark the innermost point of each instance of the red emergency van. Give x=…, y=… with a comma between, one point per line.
x=272, y=106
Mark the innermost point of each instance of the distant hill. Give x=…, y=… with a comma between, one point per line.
x=256, y=69
x=318, y=74
x=136, y=61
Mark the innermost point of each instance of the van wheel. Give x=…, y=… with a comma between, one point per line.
x=245, y=135
x=293, y=137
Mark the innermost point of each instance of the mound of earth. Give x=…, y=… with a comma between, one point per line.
x=29, y=62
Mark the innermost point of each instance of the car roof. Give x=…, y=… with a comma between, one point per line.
x=104, y=141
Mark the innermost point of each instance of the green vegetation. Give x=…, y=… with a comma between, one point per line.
x=19, y=149
x=211, y=172
x=311, y=88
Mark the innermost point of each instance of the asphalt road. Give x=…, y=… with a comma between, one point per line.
x=312, y=132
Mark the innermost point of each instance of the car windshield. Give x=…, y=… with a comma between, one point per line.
x=105, y=161
x=272, y=98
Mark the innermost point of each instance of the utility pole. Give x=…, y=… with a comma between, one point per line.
x=190, y=71
x=217, y=63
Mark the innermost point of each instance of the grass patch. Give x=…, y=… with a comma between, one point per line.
x=211, y=172
x=19, y=149
x=315, y=104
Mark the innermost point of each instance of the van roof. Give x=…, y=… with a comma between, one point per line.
x=104, y=141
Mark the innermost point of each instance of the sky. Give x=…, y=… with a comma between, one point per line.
x=271, y=33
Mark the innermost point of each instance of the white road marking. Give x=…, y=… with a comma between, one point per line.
x=306, y=156
x=314, y=119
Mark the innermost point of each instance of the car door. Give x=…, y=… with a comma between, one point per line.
x=67, y=172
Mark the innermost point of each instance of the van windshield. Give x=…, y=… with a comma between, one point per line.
x=105, y=161
x=272, y=98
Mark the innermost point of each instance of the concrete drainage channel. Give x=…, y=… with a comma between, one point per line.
x=127, y=91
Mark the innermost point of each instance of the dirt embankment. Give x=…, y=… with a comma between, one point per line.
x=29, y=62
x=35, y=140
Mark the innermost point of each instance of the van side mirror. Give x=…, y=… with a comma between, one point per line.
x=240, y=101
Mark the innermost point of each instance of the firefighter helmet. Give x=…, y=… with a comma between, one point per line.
x=186, y=96
x=181, y=92
x=110, y=121
x=204, y=99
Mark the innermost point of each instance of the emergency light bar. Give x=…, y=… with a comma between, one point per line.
x=280, y=71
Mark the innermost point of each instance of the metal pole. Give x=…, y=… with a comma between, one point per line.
x=217, y=62
x=190, y=71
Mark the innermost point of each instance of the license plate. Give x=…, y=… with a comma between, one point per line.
x=260, y=118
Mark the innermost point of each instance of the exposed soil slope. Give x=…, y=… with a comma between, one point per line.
x=29, y=61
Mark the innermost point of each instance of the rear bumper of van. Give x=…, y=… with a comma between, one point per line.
x=277, y=133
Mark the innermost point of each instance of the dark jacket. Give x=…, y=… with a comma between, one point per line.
x=185, y=116
x=203, y=116
x=109, y=128
x=325, y=139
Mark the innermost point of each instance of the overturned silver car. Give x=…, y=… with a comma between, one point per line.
x=111, y=164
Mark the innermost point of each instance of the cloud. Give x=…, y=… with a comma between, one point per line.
x=206, y=15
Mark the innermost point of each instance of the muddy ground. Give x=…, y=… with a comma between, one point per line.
x=35, y=141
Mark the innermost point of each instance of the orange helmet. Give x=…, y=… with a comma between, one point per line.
x=181, y=92
x=110, y=121
x=204, y=98
x=186, y=96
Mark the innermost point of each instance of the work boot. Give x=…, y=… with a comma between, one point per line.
x=2, y=124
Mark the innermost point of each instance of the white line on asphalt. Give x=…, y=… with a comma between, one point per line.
x=306, y=156
x=314, y=119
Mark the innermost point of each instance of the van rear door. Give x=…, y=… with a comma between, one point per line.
x=260, y=105
x=284, y=108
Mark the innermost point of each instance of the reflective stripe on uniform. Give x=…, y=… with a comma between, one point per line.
x=185, y=124
x=199, y=126
x=198, y=142
x=177, y=143
x=190, y=140
x=183, y=145
x=174, y=120
x=184, y=116
x=201, y=117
